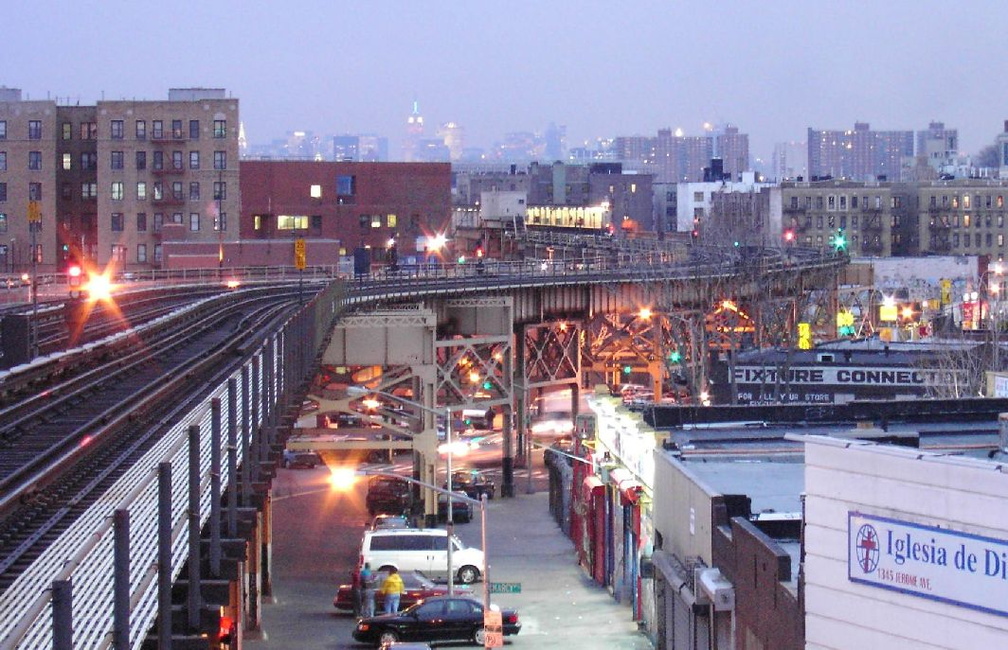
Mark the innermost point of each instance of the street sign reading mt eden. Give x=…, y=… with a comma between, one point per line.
x=505, y=587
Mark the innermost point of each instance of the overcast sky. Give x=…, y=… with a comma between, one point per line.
x=600, y=67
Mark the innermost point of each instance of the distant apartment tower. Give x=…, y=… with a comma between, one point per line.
x=937, y=145
x=452, y=135
x=1002, y=148
x=859, y=154
x=680, y=158
x=360, y=148
x=732, y=148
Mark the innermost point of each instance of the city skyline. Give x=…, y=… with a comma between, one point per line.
x=600, y=71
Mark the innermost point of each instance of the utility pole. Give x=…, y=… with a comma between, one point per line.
x=34, y=223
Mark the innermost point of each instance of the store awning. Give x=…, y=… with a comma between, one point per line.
x=630, y=489
x=592, y=485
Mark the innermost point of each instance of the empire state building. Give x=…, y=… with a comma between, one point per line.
x=414, y=134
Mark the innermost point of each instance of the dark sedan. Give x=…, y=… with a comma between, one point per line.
x=418, y=586
x=441, y=618
x=473, y=482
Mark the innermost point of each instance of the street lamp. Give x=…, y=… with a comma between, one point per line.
x=481, y=502
x=357, y=391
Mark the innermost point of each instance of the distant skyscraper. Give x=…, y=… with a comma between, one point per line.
x=453, y=137
x=938, y=146
x=360, y=148
x=789, y=161
x=556, y=142
x=414, y=134
x=860, y=154
x=732, y=148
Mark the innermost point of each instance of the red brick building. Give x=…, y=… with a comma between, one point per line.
x=338, y=207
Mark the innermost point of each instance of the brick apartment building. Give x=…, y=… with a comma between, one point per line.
x=117, y=181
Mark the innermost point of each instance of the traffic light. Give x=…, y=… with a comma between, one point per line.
x=627, y=370
x=840, y=241
x=675, y=356
x=789, y=236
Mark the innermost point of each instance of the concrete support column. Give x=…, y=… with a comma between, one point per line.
x=266, y=535
x=254, y=605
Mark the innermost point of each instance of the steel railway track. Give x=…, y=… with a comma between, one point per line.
x=61, y=452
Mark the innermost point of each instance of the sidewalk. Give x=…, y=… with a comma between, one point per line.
x=558, y=605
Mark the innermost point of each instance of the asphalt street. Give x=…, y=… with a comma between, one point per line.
x=316, y=535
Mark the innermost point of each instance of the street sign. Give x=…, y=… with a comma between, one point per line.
x=34, y=212
x=300, y=255
x=493, y=625
x=505, y=587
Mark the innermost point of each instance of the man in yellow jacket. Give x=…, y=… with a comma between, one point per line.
x=392, y=588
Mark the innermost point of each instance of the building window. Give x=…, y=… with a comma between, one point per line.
x=34, y=129
x=316, y=191
x=376, y=221
x=158, y=221
x=157, y=253
x=176, y=218
x=194, y=221
x=3, y=161
x=67, y=161
x=843, y=202
x=34, y=191
x=141, y=252
x=35, y=160
x=220, y=222
x=346, y=185
x=118, y=223
x=141, y=160
x=66, y=191
x=220, y=191
x=390, y=221
x=193, y=160
x=966, y=201
x=158, y=191
x=176, y=160
x=176, y=129
x=89, y=161
x=157, y=130
x=141, y=129
x=316, y=222
x=818, y=203
x=292, y=222
x=67, y=130
x=955, y=202
x=176, y=190
x=3, y=129
x=220, y=160
x=794, y=202
x=194, y=191
x=3, y=222
x=117, y=190
x=89, y=191
x=89, y=131
x=118, y=253
x=141, y=222
x=3, y=192
x=194, y=129
x=220, y=128
x=141, y=191
x=697, y=197
x=1000, y=201
x=117, y=160
x=116, y=131
x=158, y=162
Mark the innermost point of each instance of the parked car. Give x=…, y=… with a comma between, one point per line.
x=422, y=549
x=385, y=521
x=388, y=494
x=440, y=618
x=418, y=586
x=461, y=509
x=473, y=482
x=306, y=459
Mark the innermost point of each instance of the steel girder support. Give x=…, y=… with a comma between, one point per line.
x=616, y=341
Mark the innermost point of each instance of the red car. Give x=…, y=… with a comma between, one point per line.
x=418, y=586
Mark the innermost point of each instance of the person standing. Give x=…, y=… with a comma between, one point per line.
x=368, y=585
x=393, y=589
x=356, y=589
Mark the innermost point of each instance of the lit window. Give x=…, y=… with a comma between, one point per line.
x=118, y=253
x=194, y=221
x=141, y=191
x=292, y=222
x=193, y=160
x=376, y=221
x=67, y=161
x=391, y=220
x=141, y=252
x=67, y=131
x=3, y=129
x=316, y=191
x=117, y=190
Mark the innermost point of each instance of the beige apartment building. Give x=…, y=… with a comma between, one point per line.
x=815, y=213
x=117, y=180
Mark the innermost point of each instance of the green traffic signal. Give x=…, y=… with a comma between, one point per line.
x=675, y=356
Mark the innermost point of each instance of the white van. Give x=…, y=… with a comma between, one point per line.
x=421, y=549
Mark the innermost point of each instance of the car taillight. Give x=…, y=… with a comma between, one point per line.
x=511, y=618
